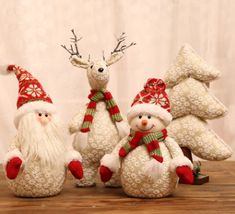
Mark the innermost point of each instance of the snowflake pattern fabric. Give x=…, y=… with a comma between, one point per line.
x=153, y=93
x=193, y=97
x=38, y=181
x=102, y=138
x=189, y=64
x=192, y=104
x=192, y=132
x=35, y=179
x=136, y=183
x=30, y=88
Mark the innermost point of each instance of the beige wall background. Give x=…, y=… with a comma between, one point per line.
x=31, y=33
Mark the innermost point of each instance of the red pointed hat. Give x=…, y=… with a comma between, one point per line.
x=152, y=100
x=31, y=95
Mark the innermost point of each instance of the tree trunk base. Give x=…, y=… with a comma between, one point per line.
x=201, y=179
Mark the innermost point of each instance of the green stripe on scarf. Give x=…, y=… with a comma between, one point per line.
x=151, y=140
x=111, y=106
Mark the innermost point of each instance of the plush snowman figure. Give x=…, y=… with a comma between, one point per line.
x=38, y=157
x=149, y=161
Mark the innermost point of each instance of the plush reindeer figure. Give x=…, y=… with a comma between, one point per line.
x=98, y=126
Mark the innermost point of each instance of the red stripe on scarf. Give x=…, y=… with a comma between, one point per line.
x=96, y=96
x=92, y=92
x=152, y=146
x=85, y=130
x=122, y=153
x=164, y=131
x=133, y=143
x=108, y=96
x=88, y=117
x=114, y=110
x=91, y=104
x=158, y=158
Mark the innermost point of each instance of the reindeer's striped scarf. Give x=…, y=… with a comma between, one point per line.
x=96, y=96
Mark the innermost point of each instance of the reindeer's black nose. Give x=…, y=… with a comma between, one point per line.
x=100, y=70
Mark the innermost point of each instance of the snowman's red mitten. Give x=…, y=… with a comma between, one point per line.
x=105, y=173
x=185, y=174
x=13, y=167
x=76, y=169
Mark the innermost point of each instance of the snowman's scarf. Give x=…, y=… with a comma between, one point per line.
x=149, y=139
x=96, y=96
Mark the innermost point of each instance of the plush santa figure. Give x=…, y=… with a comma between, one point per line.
x=38, y=157
x=149, y=161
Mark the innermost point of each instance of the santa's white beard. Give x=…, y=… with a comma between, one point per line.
x=43, y=143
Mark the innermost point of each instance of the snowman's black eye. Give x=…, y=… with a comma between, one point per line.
x=149, y=117
x=39, y=114
x=140, y=116
x=46, y=115
x=91, y=66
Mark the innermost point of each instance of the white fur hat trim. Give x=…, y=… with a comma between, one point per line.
x=152, y=109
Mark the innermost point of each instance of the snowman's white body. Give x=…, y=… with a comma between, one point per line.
x=134, y=180
x=102, y=139
x=143, y=173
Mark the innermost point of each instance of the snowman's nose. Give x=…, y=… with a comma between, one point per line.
x=144, y=122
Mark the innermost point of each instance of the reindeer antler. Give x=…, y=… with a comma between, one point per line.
x=123, y=47
x=73, y=50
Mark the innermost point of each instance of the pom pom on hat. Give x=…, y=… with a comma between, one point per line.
x=6, y=69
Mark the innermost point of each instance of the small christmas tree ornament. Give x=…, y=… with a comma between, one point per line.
x=99, y=125
x=149, y=161
x=192, y=104
x=199, y=178
x=38, y=157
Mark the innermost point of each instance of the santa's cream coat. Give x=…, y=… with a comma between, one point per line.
x=35, y=179
x=134, y=179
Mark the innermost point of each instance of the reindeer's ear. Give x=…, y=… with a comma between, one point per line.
x=114, y=58
x=79, y=62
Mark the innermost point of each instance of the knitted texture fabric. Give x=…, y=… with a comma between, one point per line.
x=13, y=167
x=202, y=141
x=150, y=140
x=96, y=96
x=153, y=93
x=136, y=183
x=153, y=99
x=30, y=89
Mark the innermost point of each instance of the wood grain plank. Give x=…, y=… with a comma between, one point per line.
x=217, y=196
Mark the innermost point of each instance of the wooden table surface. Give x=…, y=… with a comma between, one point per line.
x=218, y=196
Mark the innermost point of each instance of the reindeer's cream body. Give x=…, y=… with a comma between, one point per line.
x=104, y=134
x=102, y=138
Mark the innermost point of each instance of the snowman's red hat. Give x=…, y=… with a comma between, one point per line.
x=152, y=100
x=32, y=96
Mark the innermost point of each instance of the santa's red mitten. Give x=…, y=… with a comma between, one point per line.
x=105, y=173
x=13, y=167
x=76, y=169
x=185, y=174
